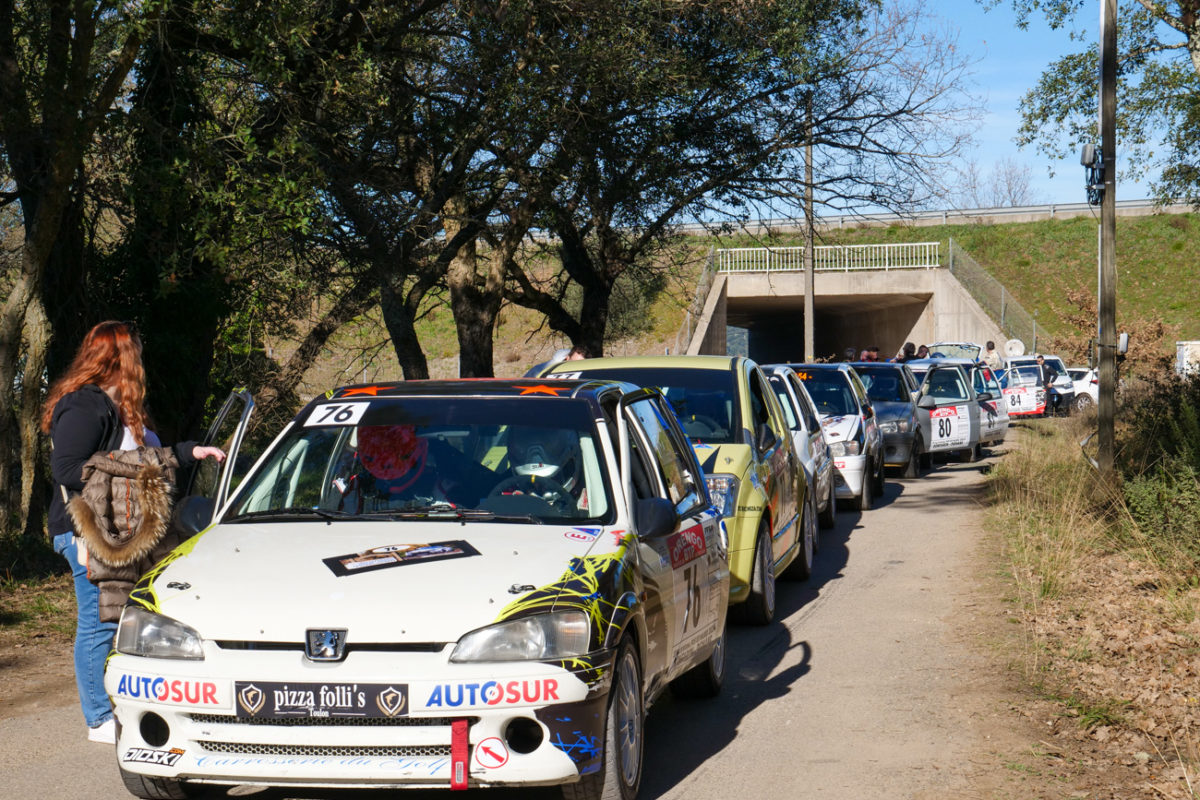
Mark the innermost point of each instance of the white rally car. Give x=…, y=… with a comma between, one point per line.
x=433, y=584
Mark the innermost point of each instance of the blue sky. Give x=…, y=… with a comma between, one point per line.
x=1010, y=61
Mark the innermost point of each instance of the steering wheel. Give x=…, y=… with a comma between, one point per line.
x=547, y=490
x=702, y=419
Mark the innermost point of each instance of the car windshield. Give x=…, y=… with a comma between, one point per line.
x=884, y=384
x=955, y=350
x=705, y=400
x=830, y=391
x=527, y=459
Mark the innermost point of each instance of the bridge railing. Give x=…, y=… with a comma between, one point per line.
x=830, y=258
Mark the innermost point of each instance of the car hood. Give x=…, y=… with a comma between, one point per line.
x=886, y=409
x=271, y=582
x=840, y=428
x=728, y=459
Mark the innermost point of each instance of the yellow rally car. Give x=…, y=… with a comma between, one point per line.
x=738, y=430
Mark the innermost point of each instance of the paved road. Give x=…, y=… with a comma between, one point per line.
x=856, y=692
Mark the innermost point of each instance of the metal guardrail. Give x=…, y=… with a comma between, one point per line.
x=947, y=216
x=831, y=258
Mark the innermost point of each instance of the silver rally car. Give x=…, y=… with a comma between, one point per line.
x=435, y=584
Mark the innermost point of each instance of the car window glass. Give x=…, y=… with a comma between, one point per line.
x=946, y=385
x=760, y=410
x=885, y=385
x=515, y=456
x=704, y=400
x=785, y=402
x=977, y=379
x=675, y=471
x=809, y=414
x=830, y=391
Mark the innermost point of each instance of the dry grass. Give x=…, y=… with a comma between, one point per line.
x=1111, y=630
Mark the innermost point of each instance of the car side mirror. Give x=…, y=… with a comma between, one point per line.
x=984, y=396
x=927, y=402
x=868, y=411
x=766, y=438
x=194, y=513
x=655, y=516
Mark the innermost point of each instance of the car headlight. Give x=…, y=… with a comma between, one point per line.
x=723, y=491
x=840, y=449
x=144, y=633
x=560, y=634
x=895, y=426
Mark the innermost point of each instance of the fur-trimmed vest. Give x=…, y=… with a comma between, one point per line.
x=123, y=515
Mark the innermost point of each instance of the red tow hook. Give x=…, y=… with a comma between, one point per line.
x=460, y=755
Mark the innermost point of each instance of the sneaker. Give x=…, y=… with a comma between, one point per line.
x=105, y=732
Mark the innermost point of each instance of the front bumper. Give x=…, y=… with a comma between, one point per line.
x=526, y=723
x=848, y=475
x=897, y=448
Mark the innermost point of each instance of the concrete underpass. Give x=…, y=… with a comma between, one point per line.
x=853, y=308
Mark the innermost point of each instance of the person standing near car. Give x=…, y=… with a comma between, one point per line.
x=992, y=358
x=1047, y=375
x=99, y=405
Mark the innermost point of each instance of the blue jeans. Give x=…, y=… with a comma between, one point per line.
x=93, y=638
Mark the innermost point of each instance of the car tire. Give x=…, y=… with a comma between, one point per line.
x=973, y=454
x=802, y=565
x=912, y=468
x=620, y=775
x=863, y=501
x=149, y=787
x=759, y=608
x=880, y=479
x=704, y=680
x=1082, y=403
x=828, y=517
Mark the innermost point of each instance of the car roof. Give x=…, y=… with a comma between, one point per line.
x=941, y=362
x=584, y=389
x=652, y=362
x=877, y=364
x=841, y=366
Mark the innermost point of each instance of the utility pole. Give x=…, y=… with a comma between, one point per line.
x=1107, y=333
x=809, y=277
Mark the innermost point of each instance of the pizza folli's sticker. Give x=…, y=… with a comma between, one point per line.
x=397, y=555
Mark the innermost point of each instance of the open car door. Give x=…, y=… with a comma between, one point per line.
x=211, y=483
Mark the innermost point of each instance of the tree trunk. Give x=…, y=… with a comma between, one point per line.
x=33, y=483
x=399, y=316
x=12, y=321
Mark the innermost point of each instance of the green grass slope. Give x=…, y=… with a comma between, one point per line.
x=1158, y=263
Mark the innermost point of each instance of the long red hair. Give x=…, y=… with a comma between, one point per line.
x=111, y=355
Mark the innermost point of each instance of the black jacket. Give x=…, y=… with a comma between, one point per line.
x=85, y=422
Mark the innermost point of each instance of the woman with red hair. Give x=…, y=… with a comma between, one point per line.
x=97, y=406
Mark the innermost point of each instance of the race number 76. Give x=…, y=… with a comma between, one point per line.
x=336, y=414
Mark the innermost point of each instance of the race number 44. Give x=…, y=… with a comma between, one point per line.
x=336, y=414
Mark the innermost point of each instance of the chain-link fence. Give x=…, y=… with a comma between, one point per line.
x=991, y=295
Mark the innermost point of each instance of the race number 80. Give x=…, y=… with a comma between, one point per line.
x=336, y=414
